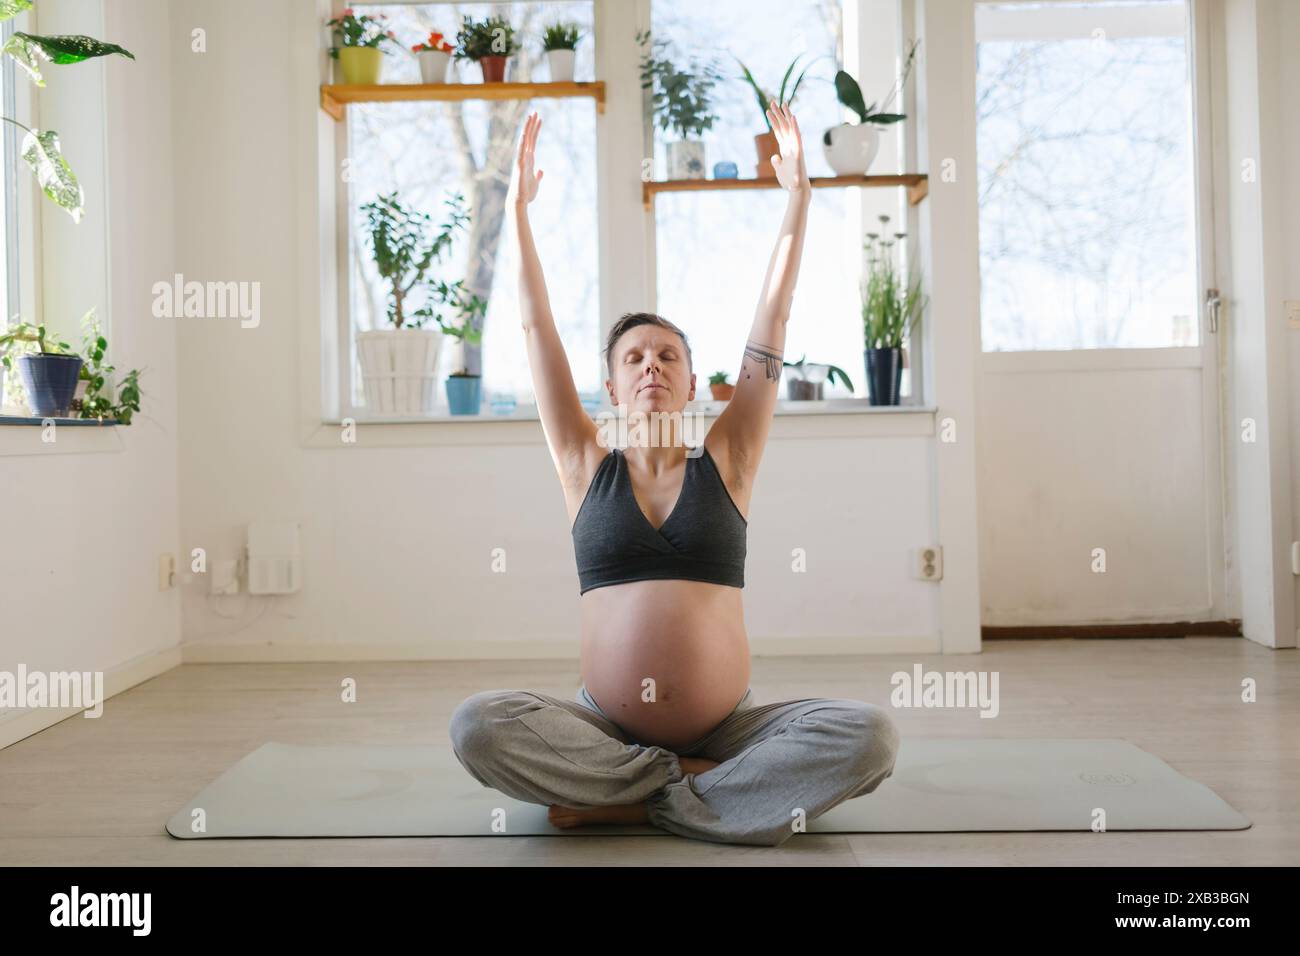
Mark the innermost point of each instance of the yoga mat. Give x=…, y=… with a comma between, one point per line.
x=938, y=785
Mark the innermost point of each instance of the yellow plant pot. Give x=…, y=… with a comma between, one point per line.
x=361, y=64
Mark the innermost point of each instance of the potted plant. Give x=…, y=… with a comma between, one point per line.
x=399, y=365
x=681, y=99
x=765, y=143
x=464, y=388
x=359, y=45
x=59, y=383
x=850, y=148
x=805, y=381
x=489, y=43
x=721, y=389
x=889, y=310
x=47, y=366
x=559, y=41
x=433, y=55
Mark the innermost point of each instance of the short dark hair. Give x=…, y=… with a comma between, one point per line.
x=631, y=320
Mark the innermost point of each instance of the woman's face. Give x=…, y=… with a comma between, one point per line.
x=651, y=371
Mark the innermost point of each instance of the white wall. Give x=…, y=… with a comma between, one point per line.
x=84, y=529
x=1255, y=49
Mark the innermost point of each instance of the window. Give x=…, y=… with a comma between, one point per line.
x=428, y=151
x=703, y=235
x=1087, y=217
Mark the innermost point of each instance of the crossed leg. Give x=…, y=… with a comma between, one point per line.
x=777, y=764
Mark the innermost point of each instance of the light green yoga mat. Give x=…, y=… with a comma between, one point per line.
x=938, y=785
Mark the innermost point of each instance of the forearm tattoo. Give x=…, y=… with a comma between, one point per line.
x=769, y=358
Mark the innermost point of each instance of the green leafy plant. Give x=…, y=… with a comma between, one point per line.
x=468, y=334
x=40, y=149
x=98, y=401
x=832, y=371
x=850, y=95
x=764, y=97
x=361, y=31
x=681, y=99
x=890, y=308
x=404, y=252
x=561, y=36
x=25, y=338
x=718, y=378
x=493, y=36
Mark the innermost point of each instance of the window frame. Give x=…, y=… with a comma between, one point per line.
x=1072, y=21
x=21, y=222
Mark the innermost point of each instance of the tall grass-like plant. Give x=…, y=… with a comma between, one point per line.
x=890, y=308
x=781, y=98
x=561, y=36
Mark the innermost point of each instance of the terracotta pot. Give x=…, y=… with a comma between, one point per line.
x=767, y=147
x=494, y=69
x=722, y=393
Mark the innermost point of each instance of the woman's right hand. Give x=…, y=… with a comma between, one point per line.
x=526, y=179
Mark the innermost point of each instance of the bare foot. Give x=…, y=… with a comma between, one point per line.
x=626, y=813
x=566, y=817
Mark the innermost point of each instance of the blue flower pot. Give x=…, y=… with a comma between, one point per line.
x=50, y=379
x=464, y=394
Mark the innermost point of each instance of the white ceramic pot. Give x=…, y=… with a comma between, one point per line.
x=686, y=159
x=433, y=65
x=561, y=63
x=850, y=148
x=398, y=370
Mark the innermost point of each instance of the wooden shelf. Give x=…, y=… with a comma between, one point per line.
x=918, y=185
x=334, y=98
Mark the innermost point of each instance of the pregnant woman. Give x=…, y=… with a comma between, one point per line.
x=665, y=730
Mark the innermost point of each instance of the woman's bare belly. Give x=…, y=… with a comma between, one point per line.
x=665, y=660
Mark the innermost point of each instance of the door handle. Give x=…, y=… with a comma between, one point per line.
x=1212, y=303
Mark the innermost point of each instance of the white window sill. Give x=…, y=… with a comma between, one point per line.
x=70, y=436
x=847, y=417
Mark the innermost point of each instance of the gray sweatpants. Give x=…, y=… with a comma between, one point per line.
x=777, y=763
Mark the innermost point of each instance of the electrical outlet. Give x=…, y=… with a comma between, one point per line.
x=929, y=563
x=166, y=572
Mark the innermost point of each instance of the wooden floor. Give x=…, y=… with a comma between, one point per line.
x=98, y=792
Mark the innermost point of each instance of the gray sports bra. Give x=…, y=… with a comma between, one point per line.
x=703, y=538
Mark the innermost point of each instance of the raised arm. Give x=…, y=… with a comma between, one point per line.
x=570, y=432
x=740, y=433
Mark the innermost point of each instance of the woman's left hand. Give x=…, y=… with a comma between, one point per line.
x=789, y=165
